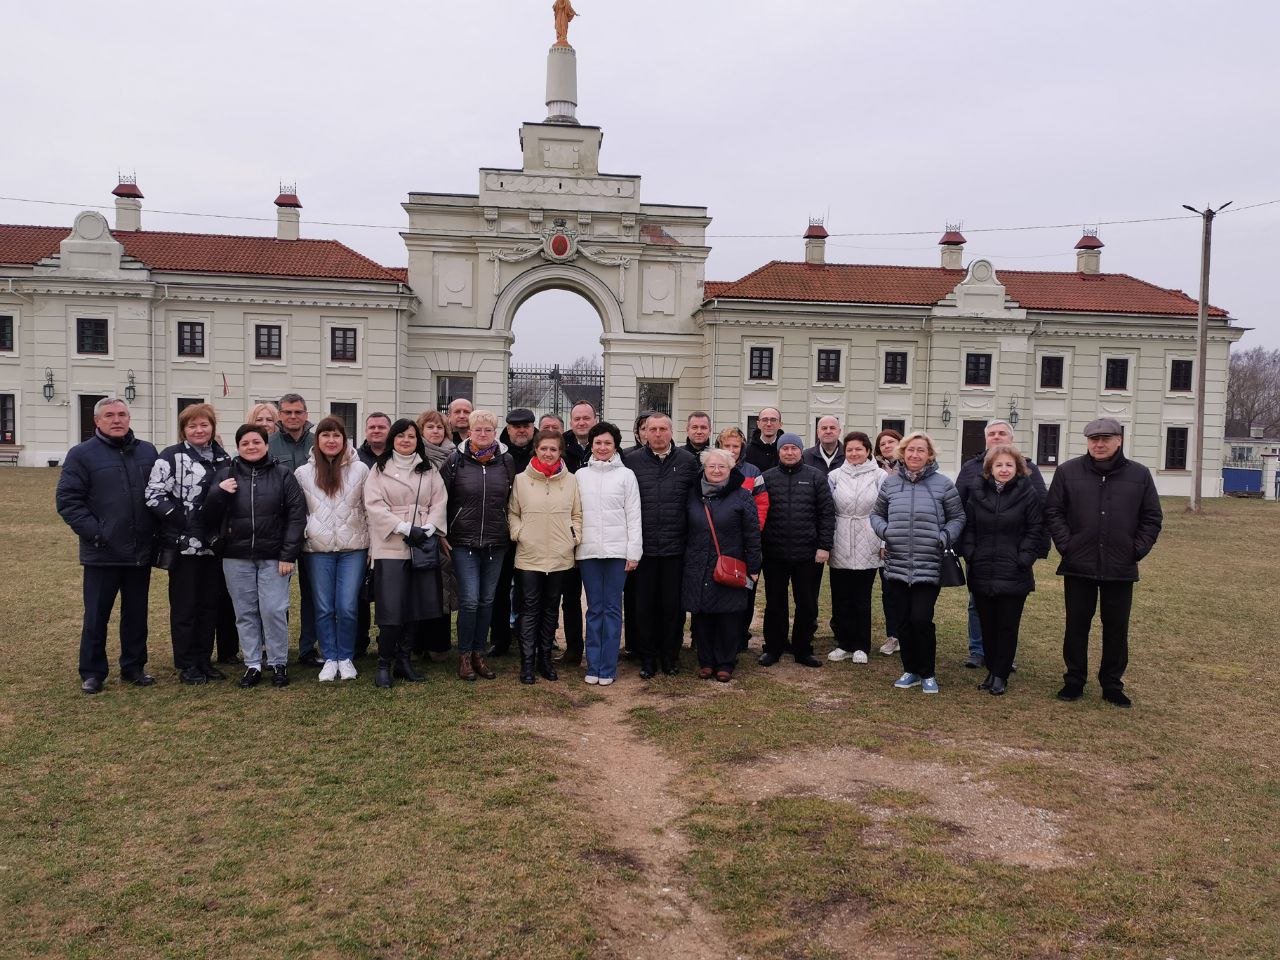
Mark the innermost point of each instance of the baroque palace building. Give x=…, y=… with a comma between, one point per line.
x=165, y=319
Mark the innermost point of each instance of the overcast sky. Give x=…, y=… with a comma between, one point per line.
x=882, y=117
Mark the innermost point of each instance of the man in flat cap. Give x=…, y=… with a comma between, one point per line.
x=517, y=439
x=1104, y=515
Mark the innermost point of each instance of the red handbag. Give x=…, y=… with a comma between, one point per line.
x=729, y=571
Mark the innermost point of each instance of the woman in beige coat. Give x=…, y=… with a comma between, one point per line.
x=545, y=521
x=404, y=498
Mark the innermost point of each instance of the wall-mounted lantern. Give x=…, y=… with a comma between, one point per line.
x=48, y=384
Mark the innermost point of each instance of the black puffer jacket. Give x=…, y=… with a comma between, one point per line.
x=264, y=519
x=763, y=456
x=520, y=456
x=478, y=495
x=180, y=481
x=1002, y=535
x=575, y=454
x=802, y=515
x=737, y=528
x=1103, y=520
x=664, y=484
x=102, y=497
x=970, y=479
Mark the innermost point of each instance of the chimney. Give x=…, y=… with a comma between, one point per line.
x=128, y=203
x=1088, y=257
x=287, y=216
x=815, y=242
x=952, y=244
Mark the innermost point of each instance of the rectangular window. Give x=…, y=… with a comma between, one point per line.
x=190, y=338
x=91, y=335
x=1117, y=377
x=828, y=366
x=184, y=402
x=342, y=344
x=1047, y=444
x=895, y=367
x=8, y=418
x=1051, y=370
x=6, y=333
x=451, y=388
x=1180, y=376
x=267, y=342
x=1175, y=448
x=977, y=369
x=655, y=395
x=761, y=363
x=346, y=412
x=899, y=425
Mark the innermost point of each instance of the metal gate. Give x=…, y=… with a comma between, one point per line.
x=552, y=390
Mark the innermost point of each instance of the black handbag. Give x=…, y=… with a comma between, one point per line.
x=950, y=573
x=426, y=556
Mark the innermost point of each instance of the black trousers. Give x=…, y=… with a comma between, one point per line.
x=101, y=586
x=500, y=625
x=890, y=621
x=226, y=637
x=912, y=607
x=432, y=636
x=630, y=619
x=802, y=579
x=1082, y=596
x=716, y=637
x=658, y=607
x=539, y=611
x=307, y=636
x=571, y=603
x=1000, y=618
x=851, y=608
x=195, y=588
x=392, y=639
x=364, y=614
x=745, y=618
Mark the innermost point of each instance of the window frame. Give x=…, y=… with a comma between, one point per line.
x=971, y=353
x=882, y=352
x=268, y=357
x=11, y=396
x=1105, y=359
x=750, y=358
x=643, y=382
x=1168, y=447
x=1171, y=363
x=886, y=421
x=352, y=425
x=104, y=354
x=11, y=320
x=1040, y=460
x=335, y=331
x=252, y=323
x=444, y=399
x=179, y=354
x=841, y=361
x=1046, y=358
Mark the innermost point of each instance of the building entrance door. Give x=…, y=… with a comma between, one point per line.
x=87, y=400
x=973, y=439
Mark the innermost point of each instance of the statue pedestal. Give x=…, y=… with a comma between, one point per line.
x=562, y=85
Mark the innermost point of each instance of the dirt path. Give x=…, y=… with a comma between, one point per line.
x=627, y=787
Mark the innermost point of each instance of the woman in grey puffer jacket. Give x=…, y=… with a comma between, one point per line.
x=918, y=515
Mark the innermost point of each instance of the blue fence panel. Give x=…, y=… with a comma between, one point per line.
x=1237, y=480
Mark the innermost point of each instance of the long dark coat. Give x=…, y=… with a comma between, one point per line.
x=1002, y=535
x=738, y=529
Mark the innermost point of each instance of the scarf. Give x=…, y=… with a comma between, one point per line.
x=546, y=470
x=403, y=461
x=205, y=452
x=438, y=453
x=708, y=488
x=1000, y=484
x=913, y=475
x=485, y=455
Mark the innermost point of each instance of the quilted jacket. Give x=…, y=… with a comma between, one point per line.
x=917, y=520
x=854, y=489
x=335, y=523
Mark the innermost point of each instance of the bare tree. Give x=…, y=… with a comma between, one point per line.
x=1253, y=392
x=587, y=363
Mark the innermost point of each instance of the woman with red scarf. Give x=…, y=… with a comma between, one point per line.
x=545, y=520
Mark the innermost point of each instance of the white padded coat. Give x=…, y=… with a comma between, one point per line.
x=610, y=511
x=854, y=490
x=339, y=522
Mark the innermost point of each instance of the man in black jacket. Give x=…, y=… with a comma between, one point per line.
x=762, y=448
x=796, y=541
x=828, y=453
x=102, y=497
x=517, y=436
x=376, y=427
x=998, y=433
x=664, y=473
x=577, y=451
x=697, y=432
x=1103, y=513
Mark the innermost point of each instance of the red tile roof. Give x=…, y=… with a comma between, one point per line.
x=816, y=231
x=925, y=286
x=400, y=273
x=1090, y=241
x=208, y=253
x=288, y=200
x=654, y=233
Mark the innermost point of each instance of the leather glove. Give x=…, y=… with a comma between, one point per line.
x=418, y=536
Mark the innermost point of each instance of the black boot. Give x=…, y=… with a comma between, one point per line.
x=403, y=667
x=382, y=678
x=546, y=668
x=526, y=668
x=986, y=684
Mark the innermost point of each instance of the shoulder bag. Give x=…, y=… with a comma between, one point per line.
x=729, y=571
x=426, y=556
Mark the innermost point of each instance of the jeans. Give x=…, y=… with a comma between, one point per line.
x=336, y=579
x=975, y=630
x=477, y=569
x=261, y=599
x=917, y=634
x=851, y=608
x=603, y=581
x=101, y=585
x=1082, y=595
x=802, y=577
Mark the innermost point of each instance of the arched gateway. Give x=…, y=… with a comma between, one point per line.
x=556, y=222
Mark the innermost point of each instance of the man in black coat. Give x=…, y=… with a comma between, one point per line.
x=1103, y=513
x=664, y=473
x=577, y=451
x=762, y=448
x=517, y=436
x=998, y=433
x=376, y=427
x=697, y=432
x=828, y=453
x=796, y=542
x=102, y=497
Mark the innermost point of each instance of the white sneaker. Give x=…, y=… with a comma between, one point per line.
x=329, y=671
x=890, y=647
x=605, y=681
x=591, y=679
x=859, y=657
x=837, y=655
x=347, y=670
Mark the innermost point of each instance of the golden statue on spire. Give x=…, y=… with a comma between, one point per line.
x=564, y=12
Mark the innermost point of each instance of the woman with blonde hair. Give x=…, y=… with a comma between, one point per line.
x=919, y=516
x=265, y=415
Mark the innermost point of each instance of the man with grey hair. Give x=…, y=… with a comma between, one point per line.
x=998, y=433
x=291, y=445
x=102, y=497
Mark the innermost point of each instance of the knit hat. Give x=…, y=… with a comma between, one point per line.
x=787, y=438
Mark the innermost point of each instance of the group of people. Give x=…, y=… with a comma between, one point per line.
x=443, y=512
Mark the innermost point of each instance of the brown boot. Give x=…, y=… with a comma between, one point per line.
x=464, y=668
x=480, y=667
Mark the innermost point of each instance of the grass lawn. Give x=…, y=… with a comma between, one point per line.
x=804, y=813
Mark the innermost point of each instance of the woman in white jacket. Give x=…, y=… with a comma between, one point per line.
x=335, y=550
x=610, y=547
x=855, y=554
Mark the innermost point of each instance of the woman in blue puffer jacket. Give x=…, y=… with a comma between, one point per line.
x=918, y=515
